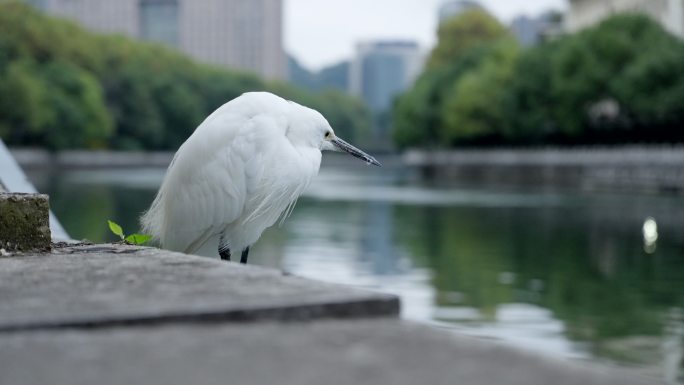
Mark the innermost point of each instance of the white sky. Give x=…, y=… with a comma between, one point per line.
x=323, y=32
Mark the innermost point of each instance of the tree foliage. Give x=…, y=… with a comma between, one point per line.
x=420, y=114
x=62, y=87
x=459, y=34
x=620, y=81
x=473, y=110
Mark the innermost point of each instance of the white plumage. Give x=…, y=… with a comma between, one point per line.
x=241, y=169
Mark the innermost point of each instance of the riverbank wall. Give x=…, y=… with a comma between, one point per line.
x=30, y=158
x=655, y=169
x=642, y=169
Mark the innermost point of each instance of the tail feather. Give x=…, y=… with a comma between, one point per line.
x=152, y=220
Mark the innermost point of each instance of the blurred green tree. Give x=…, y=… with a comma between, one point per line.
x=81, y=119
x=473, y=110
x=461, y=33
x=617, y=82
x=22, y=98
x=56, y=105
x=63, y=87
x=528, y=91
x=415, y=112
x=419, y=113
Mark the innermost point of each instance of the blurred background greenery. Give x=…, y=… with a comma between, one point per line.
x=63, y=87
x=481, y=88
x=621, y=81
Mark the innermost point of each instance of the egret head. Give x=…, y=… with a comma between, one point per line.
x=333, y=143
x=312, y=129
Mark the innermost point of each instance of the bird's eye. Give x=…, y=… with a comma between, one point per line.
x=328, y=134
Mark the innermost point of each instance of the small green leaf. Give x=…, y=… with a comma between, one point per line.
x=138, y=239
x=116, y=229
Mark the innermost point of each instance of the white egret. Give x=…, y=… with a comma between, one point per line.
x=242, y=169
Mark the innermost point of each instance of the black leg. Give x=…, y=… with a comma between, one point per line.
x=243, y=257
x=224, y=253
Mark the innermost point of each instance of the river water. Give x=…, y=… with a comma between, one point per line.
x=566, y=274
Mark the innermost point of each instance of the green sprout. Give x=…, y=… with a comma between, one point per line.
x=135, y=239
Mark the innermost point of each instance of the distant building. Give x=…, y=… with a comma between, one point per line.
x=382, y=69
x=584, y=13
x=333, y=77
x=533, y=30
x=452, y=8
x=159, y=21
x=244, y=34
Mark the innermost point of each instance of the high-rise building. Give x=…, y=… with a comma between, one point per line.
x=533, y=30
x=452, y=8
x=243, y=34
x=584, y=13
x=159, y=21
x=382, y=69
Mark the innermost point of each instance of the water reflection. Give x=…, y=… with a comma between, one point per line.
x=562, y=273
x=650, y=232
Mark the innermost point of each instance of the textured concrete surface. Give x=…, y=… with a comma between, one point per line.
x=24, y=222
x=375, y=352
x=117, y=314
x=105, y=285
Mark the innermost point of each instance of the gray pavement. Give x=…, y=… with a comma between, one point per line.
x=105, y=285
x=116, y=314
x=379, y=352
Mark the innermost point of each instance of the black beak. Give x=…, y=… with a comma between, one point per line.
x=353, y=151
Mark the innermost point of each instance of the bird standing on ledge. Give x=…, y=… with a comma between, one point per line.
x=242, y=169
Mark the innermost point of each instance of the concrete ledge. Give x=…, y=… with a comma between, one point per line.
x=378, y=352
x=109, y=285
x=24, y=222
